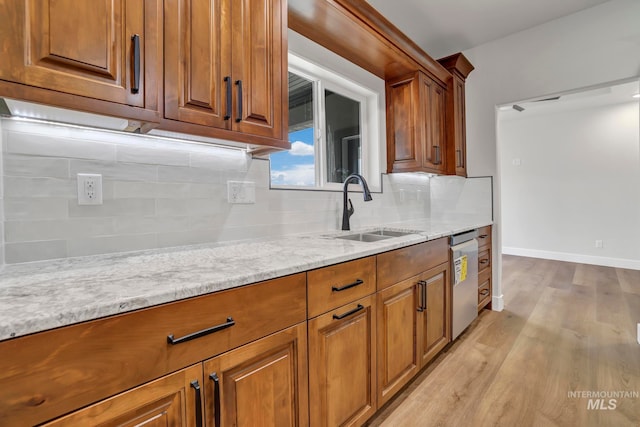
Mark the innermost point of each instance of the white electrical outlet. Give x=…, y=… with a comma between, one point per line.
x=598, y=243
x=241, y=192
x=89, y=189
x=516, y=162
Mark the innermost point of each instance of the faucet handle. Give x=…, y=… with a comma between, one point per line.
x=350, y=210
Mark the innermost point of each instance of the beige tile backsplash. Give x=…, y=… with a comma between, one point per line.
x=166, y=193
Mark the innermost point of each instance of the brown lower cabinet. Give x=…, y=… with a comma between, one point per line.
x=323, y=348
x=413, y=326
x=342, y=360
x=263, y=383
x=264, y=380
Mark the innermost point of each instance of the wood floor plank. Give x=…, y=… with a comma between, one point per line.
x=566, y=328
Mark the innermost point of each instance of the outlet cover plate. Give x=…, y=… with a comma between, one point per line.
x=89, y=189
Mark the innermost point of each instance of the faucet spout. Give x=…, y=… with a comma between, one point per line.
x=347, y=211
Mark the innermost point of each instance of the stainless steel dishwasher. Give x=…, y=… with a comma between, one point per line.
x=464, y=277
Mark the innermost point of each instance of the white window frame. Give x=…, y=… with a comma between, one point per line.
x=325, y=79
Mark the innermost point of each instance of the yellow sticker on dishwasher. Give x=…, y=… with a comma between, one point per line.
x=460, y=269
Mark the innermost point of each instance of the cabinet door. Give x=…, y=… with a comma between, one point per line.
x=342, y=365
x=404, y=147
x=459, y=128
x=78, y=47
x=169, y=401
x=397, y=337
x=434, y=328
x=197, y=62
x=259, y=60
x=432, y=98
x=415, y=124
x=260, y=384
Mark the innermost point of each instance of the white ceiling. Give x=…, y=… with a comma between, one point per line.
x=444, y=27
x=590, y=98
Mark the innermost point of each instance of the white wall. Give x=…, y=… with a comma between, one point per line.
x=576, y=182
x=588, y=48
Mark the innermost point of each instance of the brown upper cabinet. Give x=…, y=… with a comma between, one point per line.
x=415, y=124
x=459, y=67
x=225, y=64
x=100, y=56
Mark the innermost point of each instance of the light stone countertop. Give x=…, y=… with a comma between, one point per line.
x=44, y=295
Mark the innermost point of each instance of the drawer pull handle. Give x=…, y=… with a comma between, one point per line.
x=349, y=286
x=216, y=398
x=348, y=313
x=229, y=323
x=135, y=87
x=484, y=261
x=196, y=387
x=483, y=236
x=484, y=292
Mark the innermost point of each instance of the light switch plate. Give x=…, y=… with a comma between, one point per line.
x=242, y=192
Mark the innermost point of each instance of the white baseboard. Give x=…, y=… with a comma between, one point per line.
x=497, y=303
x=577, y=258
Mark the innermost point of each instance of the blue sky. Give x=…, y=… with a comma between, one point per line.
x=296, y=166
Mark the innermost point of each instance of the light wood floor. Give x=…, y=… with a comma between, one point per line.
x=566, y=327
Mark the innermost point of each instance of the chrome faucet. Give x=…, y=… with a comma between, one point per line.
x=347, y=212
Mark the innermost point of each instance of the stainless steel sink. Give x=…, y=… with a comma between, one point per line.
x=363, y=237
x=389, y=233
x=373, y=236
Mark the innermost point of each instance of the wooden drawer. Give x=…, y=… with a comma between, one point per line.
x=396, y=266
x=484, y=289
x=336, y=285
x=484, y=237
x=54, y=372
x=484, y=260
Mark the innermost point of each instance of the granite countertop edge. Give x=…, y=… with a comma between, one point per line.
x=40, y=296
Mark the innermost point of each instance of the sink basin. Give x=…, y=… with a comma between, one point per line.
x=373, y=236
x=389, y=233
x=364, y=237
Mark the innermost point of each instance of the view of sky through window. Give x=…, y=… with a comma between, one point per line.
x=296, y=166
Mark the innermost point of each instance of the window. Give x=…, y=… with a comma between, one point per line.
x=329, y=120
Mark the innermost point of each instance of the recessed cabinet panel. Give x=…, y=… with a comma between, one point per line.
x=436, y=316
x=168, y=401
x=404, y=104
x=265, y=380
x=397, y=338
x=195, y=87
x=82, y=48
x=342, y=364
x=415, y=124
x=259, y=72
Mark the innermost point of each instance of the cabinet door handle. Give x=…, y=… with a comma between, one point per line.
x=423, y=295
x=229, y=323
x=436, y=155
x=216, y=398
x=239, y=85
x=135, y=87
x=348, y=313
x=459, y=158
x=483, y=236
x=484, y=292
x=349, y=286
x=484, y=261
x=227, y=114
x=196, y=387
